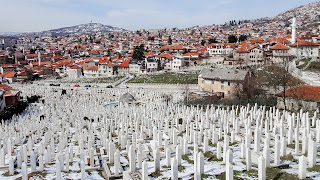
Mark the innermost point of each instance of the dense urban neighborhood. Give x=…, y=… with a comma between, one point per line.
x=238, y=100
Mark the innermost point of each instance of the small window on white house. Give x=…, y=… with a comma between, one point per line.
x=222, y=87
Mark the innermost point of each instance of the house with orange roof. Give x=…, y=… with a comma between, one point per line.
x=60, y=67
x=123, y=68
x=74, y=72
x=191, y=59
x=304, y=97
x=280, y=53
x=31, y=57
x=90, y=71
x=7, y=68
x=105, y=69
x=305, y=49
x=11, y=95
x=9, y=77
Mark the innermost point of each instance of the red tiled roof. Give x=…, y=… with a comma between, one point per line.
x=304, y=43
x=124, y=64
x=75, y=67
x=259, y=40
x=9, y=90
x=93, y=68
x=305, y=92
x=164, y=56
x=279, y=46
x=242, y=50
x=8, y=74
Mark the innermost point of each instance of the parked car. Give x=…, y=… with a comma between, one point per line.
x=77, y=85
x=87, y=86
x=124, y=87
x=95, y=86
x=109, y=86
x=54, y=84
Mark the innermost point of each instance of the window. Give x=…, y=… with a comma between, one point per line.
x=228, y=92
x=222, y=87
x=229, y=83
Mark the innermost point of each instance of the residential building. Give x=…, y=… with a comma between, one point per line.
x=74, y=71
x=105, y=69
x=280, y=53
x=218, y=49
x=90, y=71
x=305, y=49
x=11, y=95
x=9, y=77
x=224, y=82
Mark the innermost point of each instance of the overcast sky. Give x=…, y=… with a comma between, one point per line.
x=39, y=15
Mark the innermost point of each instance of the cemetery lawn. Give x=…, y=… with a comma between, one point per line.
x=93, y=80
x=167, y=78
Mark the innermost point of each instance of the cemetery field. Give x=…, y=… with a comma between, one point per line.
x=167, y=78
x=95, y=80
x=145, y=136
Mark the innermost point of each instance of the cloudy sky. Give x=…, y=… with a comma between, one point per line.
x=39, y=15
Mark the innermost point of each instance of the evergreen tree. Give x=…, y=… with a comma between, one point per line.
x=138, y=52
x=203, y=42
x=243, y=38
x=214, y=40
x=169, y=40
x=232, y=39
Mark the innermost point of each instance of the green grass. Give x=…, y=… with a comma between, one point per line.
x=232, y=144
x=7, y=174
x=186, y=158
x=167, y=78
x=156, y=174
x=306, y=61
x=275, y=173
x=181, y=168
x=211, y=157
x=287, y=157
x=315, y=168
x=251, y=173
x=205, y=176
x=314, y=67
x=94, y=80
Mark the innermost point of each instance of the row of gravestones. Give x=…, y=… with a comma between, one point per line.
x=225, y=120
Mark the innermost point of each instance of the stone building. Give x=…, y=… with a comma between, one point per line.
x=224, y=82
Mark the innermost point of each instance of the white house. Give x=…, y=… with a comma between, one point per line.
x=74, y=72
x=90, y=71
x=105, y=69
x=304, y=49
x=135, y=69
x=176, y=64
x=218, y=49
x=151, y=64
